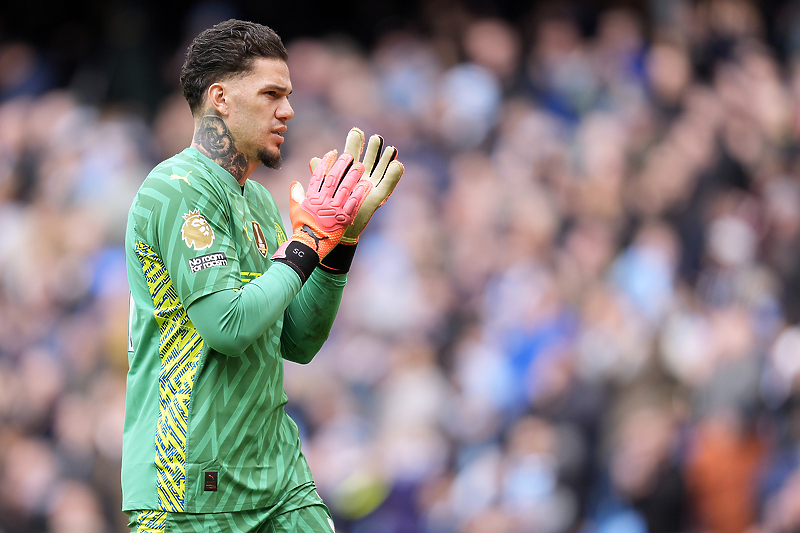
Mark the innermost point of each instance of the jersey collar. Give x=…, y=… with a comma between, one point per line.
x=223, y=175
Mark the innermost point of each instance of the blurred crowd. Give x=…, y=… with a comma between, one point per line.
x=578, y=313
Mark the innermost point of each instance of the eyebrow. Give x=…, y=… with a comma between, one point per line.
x=276, y=87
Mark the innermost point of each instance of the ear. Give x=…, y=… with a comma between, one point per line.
x=218, y=98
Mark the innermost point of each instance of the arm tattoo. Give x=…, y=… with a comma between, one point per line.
x=215, y=140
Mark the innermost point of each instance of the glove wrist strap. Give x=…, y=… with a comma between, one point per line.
x=339, y=260
x=301, y=257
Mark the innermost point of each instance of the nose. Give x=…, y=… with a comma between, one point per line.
x=285, y=111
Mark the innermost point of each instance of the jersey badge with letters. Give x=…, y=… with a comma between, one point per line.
x=196, y=232
x=196, y=264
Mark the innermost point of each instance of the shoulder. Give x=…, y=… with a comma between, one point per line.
x=170, y=192
x=178, y=172
x=179, y=178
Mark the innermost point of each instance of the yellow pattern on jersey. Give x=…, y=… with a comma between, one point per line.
x=151, y=522
x=249, y=276
x=179, y=348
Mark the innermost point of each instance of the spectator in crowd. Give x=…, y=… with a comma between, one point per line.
x=579, y=313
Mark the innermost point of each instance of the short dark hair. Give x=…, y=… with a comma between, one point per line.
x=225, y=50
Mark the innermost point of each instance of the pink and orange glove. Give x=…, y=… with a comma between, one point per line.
x=383, y=171
x=321, y=215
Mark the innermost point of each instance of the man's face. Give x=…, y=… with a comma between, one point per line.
x=258, y=110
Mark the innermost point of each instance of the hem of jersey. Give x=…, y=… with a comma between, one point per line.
x=284, y=499
x=140, y=506
x=285, y=504
x=282, y=504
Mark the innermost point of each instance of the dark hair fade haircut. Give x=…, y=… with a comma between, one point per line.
x=225, y=50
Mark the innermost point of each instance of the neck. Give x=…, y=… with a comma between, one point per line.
x=214, y=140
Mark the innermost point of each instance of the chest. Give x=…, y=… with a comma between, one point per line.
x=257, y=233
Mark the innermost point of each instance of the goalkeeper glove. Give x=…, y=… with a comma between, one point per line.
x=383, y=171
x=319, y=217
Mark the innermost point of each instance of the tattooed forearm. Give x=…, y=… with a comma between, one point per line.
x=214, y=139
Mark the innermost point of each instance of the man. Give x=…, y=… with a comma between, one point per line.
x=219, y=297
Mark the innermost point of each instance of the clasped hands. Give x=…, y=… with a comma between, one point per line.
x=343, y=193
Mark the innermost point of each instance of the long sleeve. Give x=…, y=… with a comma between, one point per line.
x=230, y=320
x=309, y=317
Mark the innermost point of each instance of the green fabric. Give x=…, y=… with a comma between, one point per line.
x=207, y=398
x=230, y=320
x=312, y=519
x=301, y=511
x=314, y=309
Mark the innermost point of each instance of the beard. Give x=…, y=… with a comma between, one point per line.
x=270, y=159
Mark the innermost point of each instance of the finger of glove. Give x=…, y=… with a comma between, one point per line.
x=348, y=184
x=373, y=152
x=319, y=174
x=354, y=143
x=365, y=212
x=296, y=194
x=385, y=188
x=326, y=207
x=314, y=162
x=336, y=175
x=296, y=197
x=377, y=197
x=341, y=210
x=387, y=157
x=354, y=201
x=329, y=182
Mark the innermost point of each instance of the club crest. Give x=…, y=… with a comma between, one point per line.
x=196, y=232
x=261, y=241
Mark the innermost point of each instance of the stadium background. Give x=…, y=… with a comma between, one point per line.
x=578, y=313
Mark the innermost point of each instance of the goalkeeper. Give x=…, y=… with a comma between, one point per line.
x=220, y=296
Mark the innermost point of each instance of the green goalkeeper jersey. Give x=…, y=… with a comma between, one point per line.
x=205, y=431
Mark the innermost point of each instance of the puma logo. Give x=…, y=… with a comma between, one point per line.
x=210, y=481
x=179, y=177
x=307, y=230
